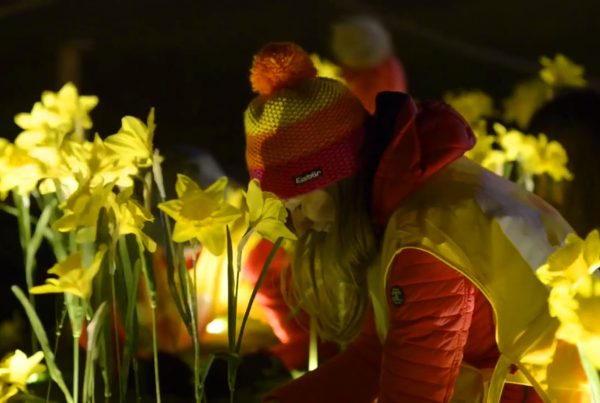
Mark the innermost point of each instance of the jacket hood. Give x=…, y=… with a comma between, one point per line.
x=424, y=139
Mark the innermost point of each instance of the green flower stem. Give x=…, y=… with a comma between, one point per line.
x=231, y=308
x=174, y=265
x=193, y=306
x=22, y=204
x=136, y=378
x=94, y=330
x=52, y=237
x=155, y=353
x=115, y=318
x=58, y=332
x=131, y=277
x=240, y=249
x=151, y=287
x=23, y=218
x=508, y=170
x=231, y=318
x=76, y=369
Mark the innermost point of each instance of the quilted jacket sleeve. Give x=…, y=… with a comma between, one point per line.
x=350, y=377
x=431, y=307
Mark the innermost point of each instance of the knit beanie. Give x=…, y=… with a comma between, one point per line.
x=302, y=132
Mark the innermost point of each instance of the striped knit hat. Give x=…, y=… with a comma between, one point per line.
x=302, y=132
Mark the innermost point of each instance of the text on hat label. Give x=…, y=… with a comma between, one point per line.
x=314, y=174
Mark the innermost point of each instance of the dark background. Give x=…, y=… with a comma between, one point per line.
x=190, y=59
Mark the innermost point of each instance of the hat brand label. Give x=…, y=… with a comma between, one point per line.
x=314, y=174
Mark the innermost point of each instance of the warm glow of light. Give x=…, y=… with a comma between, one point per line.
x=216, y=326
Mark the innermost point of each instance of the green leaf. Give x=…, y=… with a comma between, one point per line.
x=591, y=373
x=130, y=321
x=231, y=297
x=255, y=291
x=40, y=333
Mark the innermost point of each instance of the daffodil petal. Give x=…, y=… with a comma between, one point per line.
x=183, y=232
x=254, y=200
x=213, y=239
x=185, y=185
x=172, y=208
x=45, y=289
x=272, y=229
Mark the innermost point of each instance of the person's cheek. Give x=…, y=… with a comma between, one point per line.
x=300, y=221
x=320, y=211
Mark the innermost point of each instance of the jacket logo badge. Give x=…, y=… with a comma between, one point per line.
x=397, y=295
x=308, y=176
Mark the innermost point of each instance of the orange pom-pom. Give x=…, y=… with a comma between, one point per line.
x=280, y=65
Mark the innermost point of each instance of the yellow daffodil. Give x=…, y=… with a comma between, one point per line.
x=18, y=170
x=65, y=167
x=45, y=146
x=267, y=213
x=63, y=112
x=326, y=68
x=105, y=166
x=73, y=278
x=7, y=391
x=60, y=153
x=79, y=163
x=562, y=72
x=38, y=122
x=553, y=159
x=71, y=107
x=201, y=214
x=575, y=260
x=575, y=294
x=526, y=99
x=484, y=152
x=519, y=147
x=17, y=368
x=131, y=218
x=82, y=208
x=134, y=141
x=472, y=105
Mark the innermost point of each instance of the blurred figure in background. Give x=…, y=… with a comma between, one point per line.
x=573, y=119
x=364, y=50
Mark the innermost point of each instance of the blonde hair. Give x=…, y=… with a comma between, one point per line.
x=328, y=275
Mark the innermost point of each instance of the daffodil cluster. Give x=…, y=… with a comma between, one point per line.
x=15, y=372
x=509, y=151
x=504, y=148
x=203, y=214
x=90, y=179
x=535, y=155
x=52, y=153
x=94, y=198
x=73, y=277
x=86, y=191
x=527, y=97
x=572, y=273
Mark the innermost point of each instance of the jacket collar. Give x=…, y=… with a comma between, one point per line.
x=424, y=139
